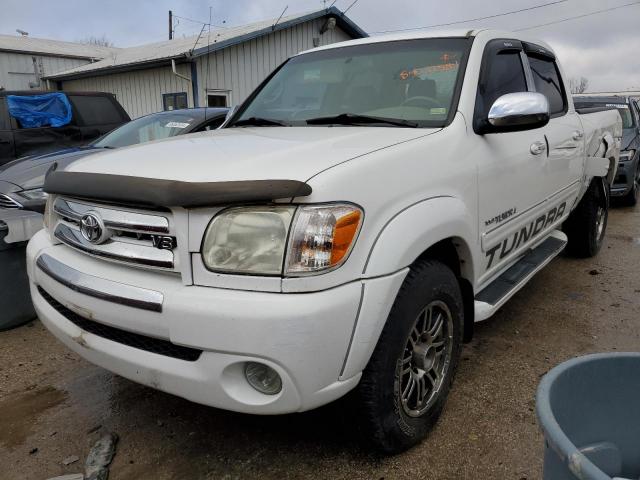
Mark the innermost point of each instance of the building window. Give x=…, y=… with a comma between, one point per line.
x=174, y=101
x=217, y=98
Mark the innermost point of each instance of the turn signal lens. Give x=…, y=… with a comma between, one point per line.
x=48, y=213
x=323, y=237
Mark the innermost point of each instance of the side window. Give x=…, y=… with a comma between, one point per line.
x=5, y=123
x=97, y=110
x=502, y=73
x=546, y=78
x=174, y=101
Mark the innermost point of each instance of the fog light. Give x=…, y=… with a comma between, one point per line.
x=263, y=378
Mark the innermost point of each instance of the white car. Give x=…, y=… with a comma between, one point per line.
x=355, y=216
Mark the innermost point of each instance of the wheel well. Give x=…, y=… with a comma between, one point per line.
x=455, y=255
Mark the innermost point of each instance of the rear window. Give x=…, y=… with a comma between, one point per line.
x=623, y=109
x=96, y=110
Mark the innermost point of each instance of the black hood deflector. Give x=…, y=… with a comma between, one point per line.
x=153, y=192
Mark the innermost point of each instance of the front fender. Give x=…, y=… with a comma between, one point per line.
x=413, y=230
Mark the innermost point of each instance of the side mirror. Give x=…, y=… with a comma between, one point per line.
x=515, y=112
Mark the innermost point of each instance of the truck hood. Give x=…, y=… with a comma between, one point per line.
x=236, y=154
x=28, y=172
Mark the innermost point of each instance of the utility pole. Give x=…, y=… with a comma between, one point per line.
x=170, y=25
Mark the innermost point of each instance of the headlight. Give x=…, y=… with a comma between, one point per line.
x=248, y=240
x=322, y=237
x=627, y=155
x=34, y=194
x=256, y=240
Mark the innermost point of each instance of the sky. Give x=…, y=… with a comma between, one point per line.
x=604, y=48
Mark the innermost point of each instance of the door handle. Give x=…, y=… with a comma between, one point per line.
x=538, y=147
x=577, y=135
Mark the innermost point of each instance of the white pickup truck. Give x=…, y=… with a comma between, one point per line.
x=344, y=230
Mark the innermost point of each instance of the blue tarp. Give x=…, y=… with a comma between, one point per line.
x=33, y=111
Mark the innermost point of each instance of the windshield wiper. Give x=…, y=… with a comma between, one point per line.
x=356, y=119
x=259, y=122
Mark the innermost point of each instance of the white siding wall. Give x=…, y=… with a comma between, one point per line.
x=16, y=69
x=139, y=91
x=237, y=69
x=240, y=68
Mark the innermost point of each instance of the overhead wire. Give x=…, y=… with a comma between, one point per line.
x=555, y=22
x=474, y=19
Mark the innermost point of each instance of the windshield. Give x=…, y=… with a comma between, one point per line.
x=148, y=128
x=623, y=109
x=404, y=81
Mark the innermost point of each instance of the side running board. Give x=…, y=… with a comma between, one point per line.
x=494, y=295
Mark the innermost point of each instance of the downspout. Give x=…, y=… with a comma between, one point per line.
x=194, y=84
x=175, y=72
x=193, y=79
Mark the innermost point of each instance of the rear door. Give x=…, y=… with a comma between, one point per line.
x=6, y=135
x=512, y=180
x=564, y=133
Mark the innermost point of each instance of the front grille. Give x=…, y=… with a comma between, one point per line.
x=134, y=340
x=7, y=202
x=137, y=238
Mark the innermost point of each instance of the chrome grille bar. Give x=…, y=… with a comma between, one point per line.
x=7, y=202
x=113, y=219
x=119, y=251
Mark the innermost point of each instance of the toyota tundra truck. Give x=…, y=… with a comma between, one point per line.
x=343, y=231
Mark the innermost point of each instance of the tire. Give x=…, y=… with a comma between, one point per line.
x=587, y=224
x=391, y=424
x=631, y=198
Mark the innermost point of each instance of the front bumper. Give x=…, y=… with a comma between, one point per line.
x=623, y=183
x=305, y=337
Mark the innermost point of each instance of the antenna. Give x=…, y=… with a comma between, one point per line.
x=273, y=27
x=349, y=7
x=170, y=25
x=206, y=82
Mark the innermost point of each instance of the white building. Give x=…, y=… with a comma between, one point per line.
x=25, y=60
x=216, y=69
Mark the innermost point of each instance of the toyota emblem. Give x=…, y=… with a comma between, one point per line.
x=92, y=228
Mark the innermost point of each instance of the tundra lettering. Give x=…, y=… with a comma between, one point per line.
x=525, y=234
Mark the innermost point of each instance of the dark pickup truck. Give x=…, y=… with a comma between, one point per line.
x=626, y=184
x=93, y=115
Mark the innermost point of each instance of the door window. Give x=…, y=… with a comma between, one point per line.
x=174, y=101
x=546, y=78
x=503, y=73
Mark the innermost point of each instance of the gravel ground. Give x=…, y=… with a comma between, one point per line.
x=54, y=405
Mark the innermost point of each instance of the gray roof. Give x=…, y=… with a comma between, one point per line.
x=160, y=53
x=43, y=46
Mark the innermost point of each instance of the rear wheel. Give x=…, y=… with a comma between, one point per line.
x=587, y=224
x=405, y=385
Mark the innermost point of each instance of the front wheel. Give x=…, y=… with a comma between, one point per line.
x=587, y=224
x=405, y=385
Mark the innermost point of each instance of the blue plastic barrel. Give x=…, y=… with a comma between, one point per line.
x=589, y=412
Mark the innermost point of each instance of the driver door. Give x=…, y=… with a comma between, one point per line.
x=511, y=166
